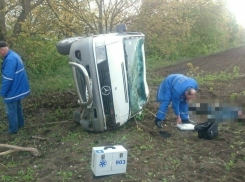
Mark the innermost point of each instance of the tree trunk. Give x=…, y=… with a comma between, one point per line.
x=26, y=9
x=100, y=6
x=2, y=20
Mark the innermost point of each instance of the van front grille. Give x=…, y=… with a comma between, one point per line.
x=106, y=92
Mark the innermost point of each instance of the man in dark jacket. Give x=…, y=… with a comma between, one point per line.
x=178, y=89
x=14, y=87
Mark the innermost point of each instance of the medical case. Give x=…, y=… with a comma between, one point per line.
x=107, y=160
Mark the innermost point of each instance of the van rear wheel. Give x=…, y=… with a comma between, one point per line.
x=63, y=47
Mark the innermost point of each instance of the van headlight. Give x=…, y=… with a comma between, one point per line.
x=100, y=54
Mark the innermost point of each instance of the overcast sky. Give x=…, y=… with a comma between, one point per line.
x=237, y=7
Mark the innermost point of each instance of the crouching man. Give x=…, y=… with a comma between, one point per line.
x=178, y=89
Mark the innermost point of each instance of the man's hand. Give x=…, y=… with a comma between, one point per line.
x=178, y=120
x=241, y=115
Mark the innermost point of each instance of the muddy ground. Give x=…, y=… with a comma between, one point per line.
x=152, y=155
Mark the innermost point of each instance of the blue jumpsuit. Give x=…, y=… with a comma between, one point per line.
x=173, y=89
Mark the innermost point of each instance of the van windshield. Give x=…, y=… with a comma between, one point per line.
x=134, y=58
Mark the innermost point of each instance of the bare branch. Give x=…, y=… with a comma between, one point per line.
x=14, y=148
x=7, y=152
x=40, y=138
x=36, y=4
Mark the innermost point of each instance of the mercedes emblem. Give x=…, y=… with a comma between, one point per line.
x=106, y=90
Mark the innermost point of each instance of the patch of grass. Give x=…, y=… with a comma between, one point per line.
x=140, y=116
x=59, y=80
x=234, y=95
x=153, y=62
x=154, y=81
x=164, y=180
x=63, y=175
x=231, y=163
x=8, y=178
x=128, y=176
x=175, y=163
x=204, y=78
x=26, y=175
x=11, y=163
x=23, y=175
x=74, y=136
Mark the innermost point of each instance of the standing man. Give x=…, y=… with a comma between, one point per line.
x=15, y=86
x=179, y=89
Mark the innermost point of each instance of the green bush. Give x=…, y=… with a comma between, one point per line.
x=39, y=54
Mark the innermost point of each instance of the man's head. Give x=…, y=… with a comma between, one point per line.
x=190, y=93
x=3, y=48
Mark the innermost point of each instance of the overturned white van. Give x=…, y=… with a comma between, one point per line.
x=110, y=77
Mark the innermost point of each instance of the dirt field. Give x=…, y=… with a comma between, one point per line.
x=154, y=155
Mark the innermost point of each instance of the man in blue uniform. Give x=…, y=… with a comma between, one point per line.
x=14, y=87
x=178, y=89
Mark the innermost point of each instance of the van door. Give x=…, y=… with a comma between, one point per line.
x=116, y=59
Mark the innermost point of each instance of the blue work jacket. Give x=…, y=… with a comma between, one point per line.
x=173, y=89
x=15, y=85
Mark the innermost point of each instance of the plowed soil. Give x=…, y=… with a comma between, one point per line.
x=222, y=61
x=154, y=155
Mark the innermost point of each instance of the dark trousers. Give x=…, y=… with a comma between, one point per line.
x=15, y=117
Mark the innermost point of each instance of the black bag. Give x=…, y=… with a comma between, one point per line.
x=207, y=130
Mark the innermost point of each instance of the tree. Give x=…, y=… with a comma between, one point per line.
x=165, y=25
x=100, y=16
x=212, y=28
x=176, y=28
x=64, y=17
x=13, y=15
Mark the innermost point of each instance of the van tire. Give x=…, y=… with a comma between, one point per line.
x=63, y=47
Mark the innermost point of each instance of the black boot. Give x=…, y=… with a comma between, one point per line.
x=158, y=123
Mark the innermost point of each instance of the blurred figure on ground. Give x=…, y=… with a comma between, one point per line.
x=219, y=112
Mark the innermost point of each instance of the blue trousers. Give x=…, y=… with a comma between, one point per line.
x=15, y=117
x=163, y=108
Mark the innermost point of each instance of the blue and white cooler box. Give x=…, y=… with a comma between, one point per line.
x=108, y=160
